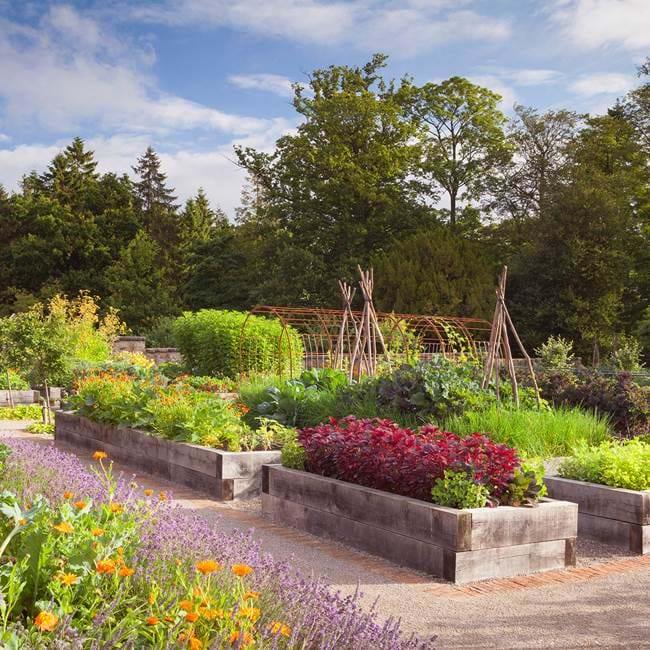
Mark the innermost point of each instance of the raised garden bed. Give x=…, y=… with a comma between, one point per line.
x=459, y=545
x=612, y=515
x=19, y=397
x=223, y=474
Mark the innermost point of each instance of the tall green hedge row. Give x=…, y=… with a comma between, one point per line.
x=215, y=342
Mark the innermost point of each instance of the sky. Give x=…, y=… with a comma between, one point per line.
x=194, y=77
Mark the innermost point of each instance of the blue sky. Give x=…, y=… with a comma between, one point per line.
x=192, y=77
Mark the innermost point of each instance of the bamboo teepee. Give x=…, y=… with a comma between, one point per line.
x=500, y=342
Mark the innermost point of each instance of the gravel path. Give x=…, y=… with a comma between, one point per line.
x=609, y=611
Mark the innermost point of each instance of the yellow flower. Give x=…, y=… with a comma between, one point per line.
x=105, y=566
x=241, y=570
x=68, y=579
x=207, y=566
x=63, y=527
x=46, y=621
x=126, y=572
x=97, y=532
x=80, y=505
x=251, y=595
x=148, y=492
x=211, y=614
x=99, y=455
x=249, y=612
x=153, y=620
x=116, y=508
x=276, y=627
x=68, y=495
x=152, y=598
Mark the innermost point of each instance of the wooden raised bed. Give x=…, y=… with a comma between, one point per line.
x=612, y=515
x=223, y=474
x=19, y=397
x=458, y=545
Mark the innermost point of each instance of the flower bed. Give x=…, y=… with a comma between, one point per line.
x=121, y=566
x=611, y=485
x=222, y=474
x=370, y=483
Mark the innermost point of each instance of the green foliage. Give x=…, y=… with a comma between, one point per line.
x=626, y=354
x=11, y=379
x=556, y=353
x=622, y=464
x=545, y=433
x=40, y=427
x=527, y=486
x=435, y=272
x=160, y=333
x=437, y=389
x=21, y=412
x=217, y=343
x=293, y=455
x=459, y=490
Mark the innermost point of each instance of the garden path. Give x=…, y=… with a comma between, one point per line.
x=603, y=603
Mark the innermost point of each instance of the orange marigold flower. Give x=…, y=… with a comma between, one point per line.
x=22, y=522
x=68, y=495
x=249, y=612
x=63, y=527
x=152, y=598
x=148, y=492
x=126, y=572
x=194, y=643
x=191, y=617
x=98, y=532
x=99, y=455
x=247, y=639
x=276, y=627
x=162, y=496
x=80, y=505
x=186, y=605
x=46, y=621
x=211, y=614
x=153, y=620
x=169, y=619
x=116, y=508
x=251, y=595
x=105, y=566
x=207, y=566
x=68, y=579
x=241, y=570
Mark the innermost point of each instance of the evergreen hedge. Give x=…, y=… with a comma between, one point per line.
x=215, y=342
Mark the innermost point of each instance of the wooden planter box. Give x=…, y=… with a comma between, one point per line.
x=20, y=397
x=222, y=474
x=612, y=515
x=458, y=545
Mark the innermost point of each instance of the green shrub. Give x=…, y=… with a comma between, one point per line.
x=40, y=427
x=15, y=380
x=623, y=464
x=21, y=412
x=459, y=490
x=216, y=343
x=527, y=486
x=545, y=433
x=556, y=353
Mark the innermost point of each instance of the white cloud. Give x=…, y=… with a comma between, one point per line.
x=601, y=83
x=592, y=24
x=534, y=77
x=403, y=27
x=4, y=137
x=60, y=80
x=272, y=83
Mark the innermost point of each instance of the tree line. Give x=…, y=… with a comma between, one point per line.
x=562, y=198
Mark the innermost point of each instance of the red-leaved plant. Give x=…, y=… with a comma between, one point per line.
x=382, y=455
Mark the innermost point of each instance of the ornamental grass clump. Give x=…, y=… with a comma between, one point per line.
x=382, y=455
x=127, y=568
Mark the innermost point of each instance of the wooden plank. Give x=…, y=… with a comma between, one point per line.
x=244, y=464
x=410, y=517
x=19, y=397
x=602, y=500
x=615, y=532
x=401, y=549
x=640, y=539
x=508, y=561
x=202, y=460
x=510, y=526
